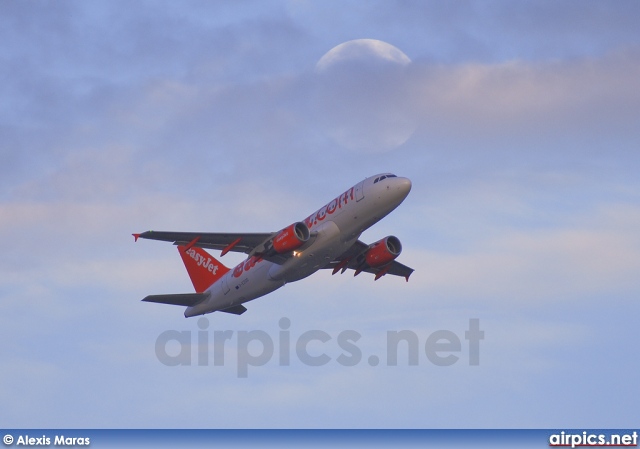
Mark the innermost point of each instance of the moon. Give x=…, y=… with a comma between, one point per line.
x=362, y=49
x=364, y=100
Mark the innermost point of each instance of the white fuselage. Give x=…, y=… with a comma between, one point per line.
x=334, y=227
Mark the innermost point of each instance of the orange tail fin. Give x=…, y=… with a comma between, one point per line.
x=202, y=267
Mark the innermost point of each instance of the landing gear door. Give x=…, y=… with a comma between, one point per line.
x=360, y=191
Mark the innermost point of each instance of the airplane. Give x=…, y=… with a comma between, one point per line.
x=326, y=239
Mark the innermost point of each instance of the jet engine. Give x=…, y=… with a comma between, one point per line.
x=383, y=251
x=290, y=238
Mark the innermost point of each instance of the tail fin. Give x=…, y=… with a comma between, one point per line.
x=203, y=269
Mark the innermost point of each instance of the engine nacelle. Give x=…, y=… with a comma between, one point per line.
x=290, y=238
x=383, y=251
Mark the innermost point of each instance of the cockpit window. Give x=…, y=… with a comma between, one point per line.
x=380, y=178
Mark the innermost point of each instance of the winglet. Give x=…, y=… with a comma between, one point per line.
x=135, y=236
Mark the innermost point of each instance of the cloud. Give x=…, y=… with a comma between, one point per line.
x=501, y=31
x=592, y=259
x=522, y=100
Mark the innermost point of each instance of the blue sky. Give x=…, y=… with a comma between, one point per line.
x=523, y=140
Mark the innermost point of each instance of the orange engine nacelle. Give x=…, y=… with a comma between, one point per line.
x=383, y=251
x=290, y=238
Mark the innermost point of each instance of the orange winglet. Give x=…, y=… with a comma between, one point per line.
x=230, y=246
x=191, y=243
x=135, y=236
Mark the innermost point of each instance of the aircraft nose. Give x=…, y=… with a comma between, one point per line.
x=399, y=188
x=404, y=185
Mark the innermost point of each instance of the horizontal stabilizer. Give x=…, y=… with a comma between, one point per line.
x=236, y=310
x=179, y=299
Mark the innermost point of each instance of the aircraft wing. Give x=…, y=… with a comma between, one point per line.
x=354, y=259
x=239, y=242
x=221, y=241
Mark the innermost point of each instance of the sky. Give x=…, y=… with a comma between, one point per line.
x=517, y=122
